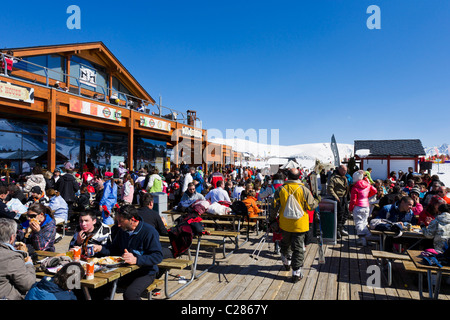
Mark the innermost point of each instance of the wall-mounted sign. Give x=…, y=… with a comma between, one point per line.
x=88, y=76
x=191, y=132
x=16, y=92
x=153, y=123
x=95, y=110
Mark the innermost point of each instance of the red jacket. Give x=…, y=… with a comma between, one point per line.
x=360, y=194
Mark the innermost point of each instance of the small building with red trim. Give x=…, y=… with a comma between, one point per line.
x=385, y=156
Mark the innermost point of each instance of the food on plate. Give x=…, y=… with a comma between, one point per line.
x=108, y=260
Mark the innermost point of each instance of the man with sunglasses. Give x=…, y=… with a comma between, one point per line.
x=442, y=192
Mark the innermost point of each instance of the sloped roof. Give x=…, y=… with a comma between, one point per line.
x=412, y=147
x=99, y=51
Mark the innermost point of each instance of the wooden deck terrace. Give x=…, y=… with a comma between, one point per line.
x=343, y=276
x=242, y=277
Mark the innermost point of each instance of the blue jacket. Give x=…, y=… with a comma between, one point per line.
x=143, y=242
x=391, y=213
x=109, y=199
x=46, y=289
x=59, y=206
x=198, y=177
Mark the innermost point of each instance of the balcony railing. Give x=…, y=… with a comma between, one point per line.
x=46, y=76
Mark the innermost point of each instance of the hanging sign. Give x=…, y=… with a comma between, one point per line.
x=153, y=123
x=95, y=110
x=16, y=92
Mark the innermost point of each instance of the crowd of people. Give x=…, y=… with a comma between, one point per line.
x=114, y=212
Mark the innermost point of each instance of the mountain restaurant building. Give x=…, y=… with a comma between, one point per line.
x=78, y=103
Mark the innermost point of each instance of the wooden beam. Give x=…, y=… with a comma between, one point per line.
x=131, y=141
x=51, y=109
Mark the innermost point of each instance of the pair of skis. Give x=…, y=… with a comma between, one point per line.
x=319, y=233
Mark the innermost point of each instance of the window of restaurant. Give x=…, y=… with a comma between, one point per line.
x=119, y=88
x=149, y=153
x=104, y=149
x=23, y=145
x=54, y=63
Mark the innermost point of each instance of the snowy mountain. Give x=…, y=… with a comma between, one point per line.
x=304, y=154
x=443, y=149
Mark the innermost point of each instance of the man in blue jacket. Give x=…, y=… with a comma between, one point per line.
x=138, y=243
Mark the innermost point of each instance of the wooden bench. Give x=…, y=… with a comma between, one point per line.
x=411, y=267
x=203, y=244
x=389, y=257
x=227, y=222
x=167, y=264
x=156, y=283
x=232, y=235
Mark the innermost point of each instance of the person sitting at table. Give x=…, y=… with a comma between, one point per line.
x=17, y=273
x=442, y=192
x=189, y=197
x=58, y=205
x=42, y=226
x=37, y=195
x=218, y=194
x=391, y=197
x=417, y=206
x=91, y=229
x=439, y=228
x=400, y=214
x=249, y=199
x=430, y=211
x=57, y=287
x=138, y=244
x=151, y=216
x=4, y=211
x=401, y=211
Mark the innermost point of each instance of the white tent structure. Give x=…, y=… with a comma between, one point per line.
x=290, y=165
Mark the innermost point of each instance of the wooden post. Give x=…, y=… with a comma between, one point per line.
x=51, y=136
x=131, y=141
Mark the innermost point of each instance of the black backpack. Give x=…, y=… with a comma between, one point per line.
x=239, y=208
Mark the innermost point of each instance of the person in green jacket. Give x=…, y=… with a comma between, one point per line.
x=368, y=172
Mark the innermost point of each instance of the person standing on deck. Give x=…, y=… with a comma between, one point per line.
x=291, y=202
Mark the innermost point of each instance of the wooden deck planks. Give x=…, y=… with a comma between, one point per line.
x=342, y=277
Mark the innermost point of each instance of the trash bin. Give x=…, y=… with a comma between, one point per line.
x=159, y=201
x=328, y=219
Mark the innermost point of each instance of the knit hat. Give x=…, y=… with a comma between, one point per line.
x=415, y=190
x=358, y=175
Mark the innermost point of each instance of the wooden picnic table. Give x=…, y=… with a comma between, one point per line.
x=405, y=234
x=421, y=265
x=100, y=278
x=232, y=220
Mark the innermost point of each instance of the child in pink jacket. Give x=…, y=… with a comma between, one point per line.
x=361, y=191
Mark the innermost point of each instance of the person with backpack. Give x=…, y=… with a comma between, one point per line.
x=154, y=182
x=290, y=203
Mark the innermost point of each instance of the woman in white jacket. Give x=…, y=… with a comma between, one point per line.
x=35, y=179
x=439, y=228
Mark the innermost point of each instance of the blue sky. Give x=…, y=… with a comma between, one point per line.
x=307, y=68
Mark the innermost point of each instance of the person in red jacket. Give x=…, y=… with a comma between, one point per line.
x=431, y=211
x=361, y=191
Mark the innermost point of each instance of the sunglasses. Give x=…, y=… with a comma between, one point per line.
x=31, y=216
